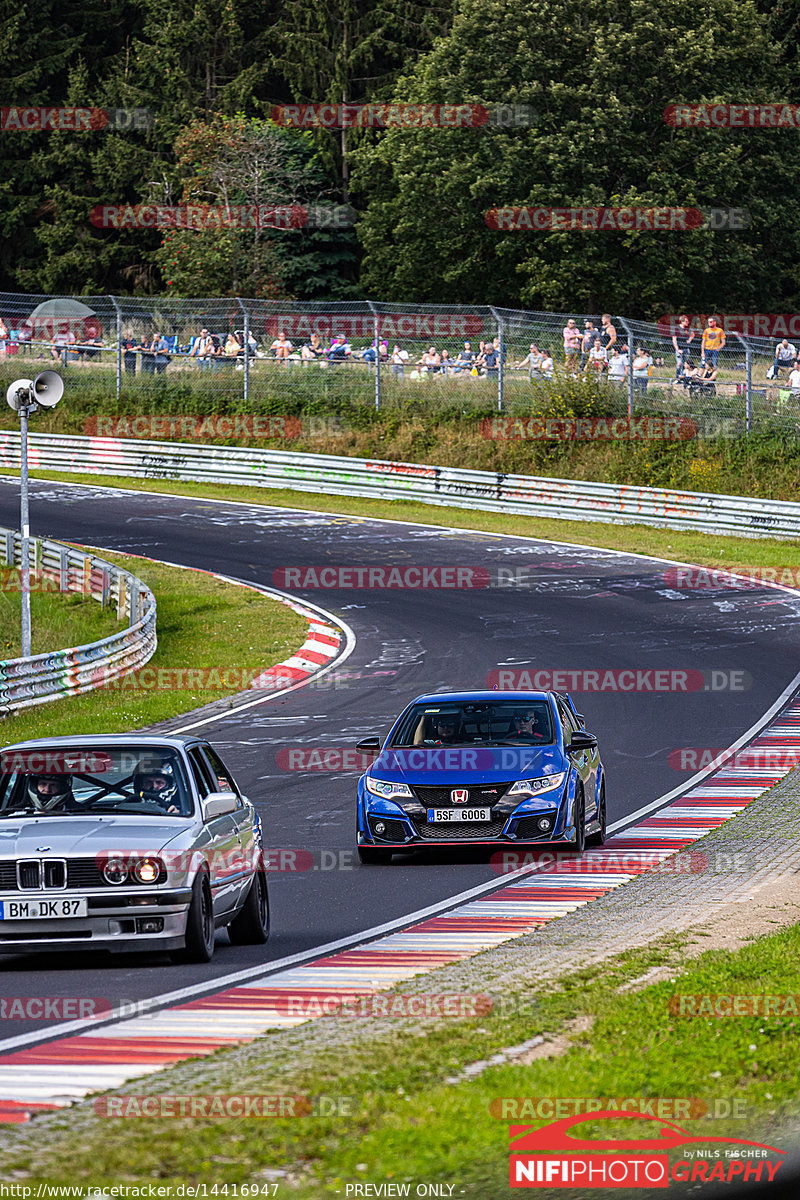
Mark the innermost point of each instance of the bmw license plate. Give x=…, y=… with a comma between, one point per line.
x=452, y=816
x=41, y=909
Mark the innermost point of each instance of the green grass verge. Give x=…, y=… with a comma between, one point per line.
x=202, y=623
x=399, y=1119
x=58, y=620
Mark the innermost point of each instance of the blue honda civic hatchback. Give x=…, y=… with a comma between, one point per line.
x=482, y=768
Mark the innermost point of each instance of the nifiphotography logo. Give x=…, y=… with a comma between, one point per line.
x=551, y=1157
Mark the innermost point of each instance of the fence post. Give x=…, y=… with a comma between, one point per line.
x=63, y=570
x=119, y=345
x=377, y=344
x=748, y=404
x=629, y=335
x=246, y=349
x=502, y=354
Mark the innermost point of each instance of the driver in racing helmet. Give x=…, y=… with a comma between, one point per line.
x=156, y=782
x=51, y=792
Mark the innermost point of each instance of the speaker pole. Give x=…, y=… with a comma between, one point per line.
x=25, y=530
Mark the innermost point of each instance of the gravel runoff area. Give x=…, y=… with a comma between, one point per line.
x=747, y=886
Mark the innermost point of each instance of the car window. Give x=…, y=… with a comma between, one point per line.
x=201, y=773
x=568, y=721
x=223, y=780
x=468, y=723
x=58, y=780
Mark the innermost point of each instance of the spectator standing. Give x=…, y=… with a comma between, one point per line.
x=548, y=366
x=491, y=358
x=129, y=354
x=608, y=333
x=572, y=344
x=3, y=338
x=202, y=350
x=617, y=367
x=532, y=360
x=399, y=360
x=590, y=332
x=785, y=356
x=682, y=339
x=713, y=341
x=641, y=370
x=794, y=381
x=25, y=337
x=160, y=350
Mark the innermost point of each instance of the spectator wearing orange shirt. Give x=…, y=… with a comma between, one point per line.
x=713, y=342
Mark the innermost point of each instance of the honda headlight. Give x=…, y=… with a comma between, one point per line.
x=388, y=789
x=534, y=787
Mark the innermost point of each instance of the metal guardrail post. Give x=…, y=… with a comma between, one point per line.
x=748, y=404
x=9, y=548
x=63, y=570
x=377, y=345
x=119, y=345
x=502, y=351
x=246, y=332
x=629, y=335
x=133, y=603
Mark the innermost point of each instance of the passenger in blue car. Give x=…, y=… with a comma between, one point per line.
x=445, y=730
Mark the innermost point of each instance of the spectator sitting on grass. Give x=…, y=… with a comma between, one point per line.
x=282, y=348
x=465, y=360
x=446, y=363
x=338, y=350
x=785, y=356
x=429, y=361
x=311, y=350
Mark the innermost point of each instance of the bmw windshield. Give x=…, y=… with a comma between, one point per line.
x=61, y=781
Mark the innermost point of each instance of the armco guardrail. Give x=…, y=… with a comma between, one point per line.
x=565, y=499
x=25, y=682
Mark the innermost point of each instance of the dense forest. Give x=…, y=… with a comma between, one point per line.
x=595, y=76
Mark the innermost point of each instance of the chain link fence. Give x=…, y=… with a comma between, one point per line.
x=258, y=353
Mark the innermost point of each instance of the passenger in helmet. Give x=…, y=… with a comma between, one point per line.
x=156, y=782
x=51, y=793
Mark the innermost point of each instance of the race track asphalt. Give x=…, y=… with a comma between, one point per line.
x=574, y=608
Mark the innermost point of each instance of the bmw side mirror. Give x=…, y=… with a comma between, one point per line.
x=581, y=740
x=217, y=804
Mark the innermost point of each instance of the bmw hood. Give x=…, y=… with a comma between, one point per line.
x=471, y=765
x=79, y=836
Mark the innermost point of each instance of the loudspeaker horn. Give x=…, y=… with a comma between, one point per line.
x=48, y=388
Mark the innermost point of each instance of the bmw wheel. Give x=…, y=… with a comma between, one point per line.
x=250, y=926
x=200, y=934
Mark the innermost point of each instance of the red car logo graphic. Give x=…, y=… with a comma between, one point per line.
x=459, y=795
x=556, y=1138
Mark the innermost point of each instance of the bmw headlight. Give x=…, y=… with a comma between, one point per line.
x=534, y=787
x=388, y=789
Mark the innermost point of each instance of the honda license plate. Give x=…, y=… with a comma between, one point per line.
x=452, y=816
